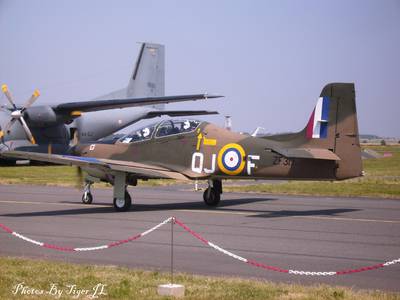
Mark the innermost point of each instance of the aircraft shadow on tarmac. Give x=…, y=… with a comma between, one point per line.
x=226, y=205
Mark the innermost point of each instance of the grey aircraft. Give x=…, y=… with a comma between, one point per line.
x=54, y=128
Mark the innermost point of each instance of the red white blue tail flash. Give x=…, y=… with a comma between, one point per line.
x=317, y=127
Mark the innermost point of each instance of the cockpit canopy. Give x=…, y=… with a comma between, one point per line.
x=161, y=129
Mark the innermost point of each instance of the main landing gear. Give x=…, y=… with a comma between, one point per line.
x=212, y=195
x=122, y=200
x=87, y=197
x=123, y=204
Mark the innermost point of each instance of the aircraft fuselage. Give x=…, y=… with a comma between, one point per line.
x=214, y=152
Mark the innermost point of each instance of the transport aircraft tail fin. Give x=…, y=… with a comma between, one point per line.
x=148, y=75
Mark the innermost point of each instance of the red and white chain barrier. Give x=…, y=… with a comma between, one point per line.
x=208, y=243
x=114, y=244
x=276, y=269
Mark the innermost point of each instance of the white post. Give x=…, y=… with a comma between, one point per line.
x=171, y=289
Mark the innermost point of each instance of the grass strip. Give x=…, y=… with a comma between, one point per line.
x=123, y=283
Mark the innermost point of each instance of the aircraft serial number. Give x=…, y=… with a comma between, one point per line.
x=280, y=160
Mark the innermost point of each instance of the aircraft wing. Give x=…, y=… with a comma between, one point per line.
x=179, y=113
x=142, y=170
x=95, y=105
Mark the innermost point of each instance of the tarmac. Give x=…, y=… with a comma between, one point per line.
x=290, y=232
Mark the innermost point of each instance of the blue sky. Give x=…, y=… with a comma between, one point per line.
x=269, y=58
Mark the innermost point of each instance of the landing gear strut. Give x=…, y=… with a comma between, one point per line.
x=122, y=199
x=87, y=197
x=212, y=195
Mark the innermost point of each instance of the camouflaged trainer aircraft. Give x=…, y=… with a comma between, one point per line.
x=326, y=149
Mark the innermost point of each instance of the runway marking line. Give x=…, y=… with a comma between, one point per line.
x=51, y=203
x=302, y=217
x=349, y=219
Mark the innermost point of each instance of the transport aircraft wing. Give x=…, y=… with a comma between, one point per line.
x=179, y=113
x=96, y=105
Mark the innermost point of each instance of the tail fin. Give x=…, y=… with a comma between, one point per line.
x=148, y=76
x=339, y=126
x=332, y=126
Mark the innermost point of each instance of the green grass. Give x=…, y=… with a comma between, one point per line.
x=56, y=176
x=382, y=179
x=383, y=167
x=123, y=283
x=49, y=175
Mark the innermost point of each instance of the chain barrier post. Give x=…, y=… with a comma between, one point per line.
x=172, y=249
x=171, y=289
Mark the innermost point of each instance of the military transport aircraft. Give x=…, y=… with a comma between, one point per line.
x=58, y=125
x=326, y=149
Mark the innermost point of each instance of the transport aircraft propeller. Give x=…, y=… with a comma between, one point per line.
x=17, y=114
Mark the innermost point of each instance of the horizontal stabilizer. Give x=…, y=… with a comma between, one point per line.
x=314, y=153
x=87, y=106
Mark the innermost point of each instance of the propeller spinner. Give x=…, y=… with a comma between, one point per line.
x=18, y=114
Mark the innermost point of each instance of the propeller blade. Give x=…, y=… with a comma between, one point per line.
x=27, y=131
x=6, y=92
x=1, y=134
x=3, y=108
x=31, y=100
x=9, y=124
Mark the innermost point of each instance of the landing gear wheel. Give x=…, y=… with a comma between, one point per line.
x=211, y=196
x=87, y=198
x=123, y=204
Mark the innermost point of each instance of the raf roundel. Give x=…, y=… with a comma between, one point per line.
x=231, y=159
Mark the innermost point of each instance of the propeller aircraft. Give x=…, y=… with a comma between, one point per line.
x=36, y=128
x=327, y=148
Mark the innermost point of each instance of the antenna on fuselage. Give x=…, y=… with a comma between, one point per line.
x=228, y=123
